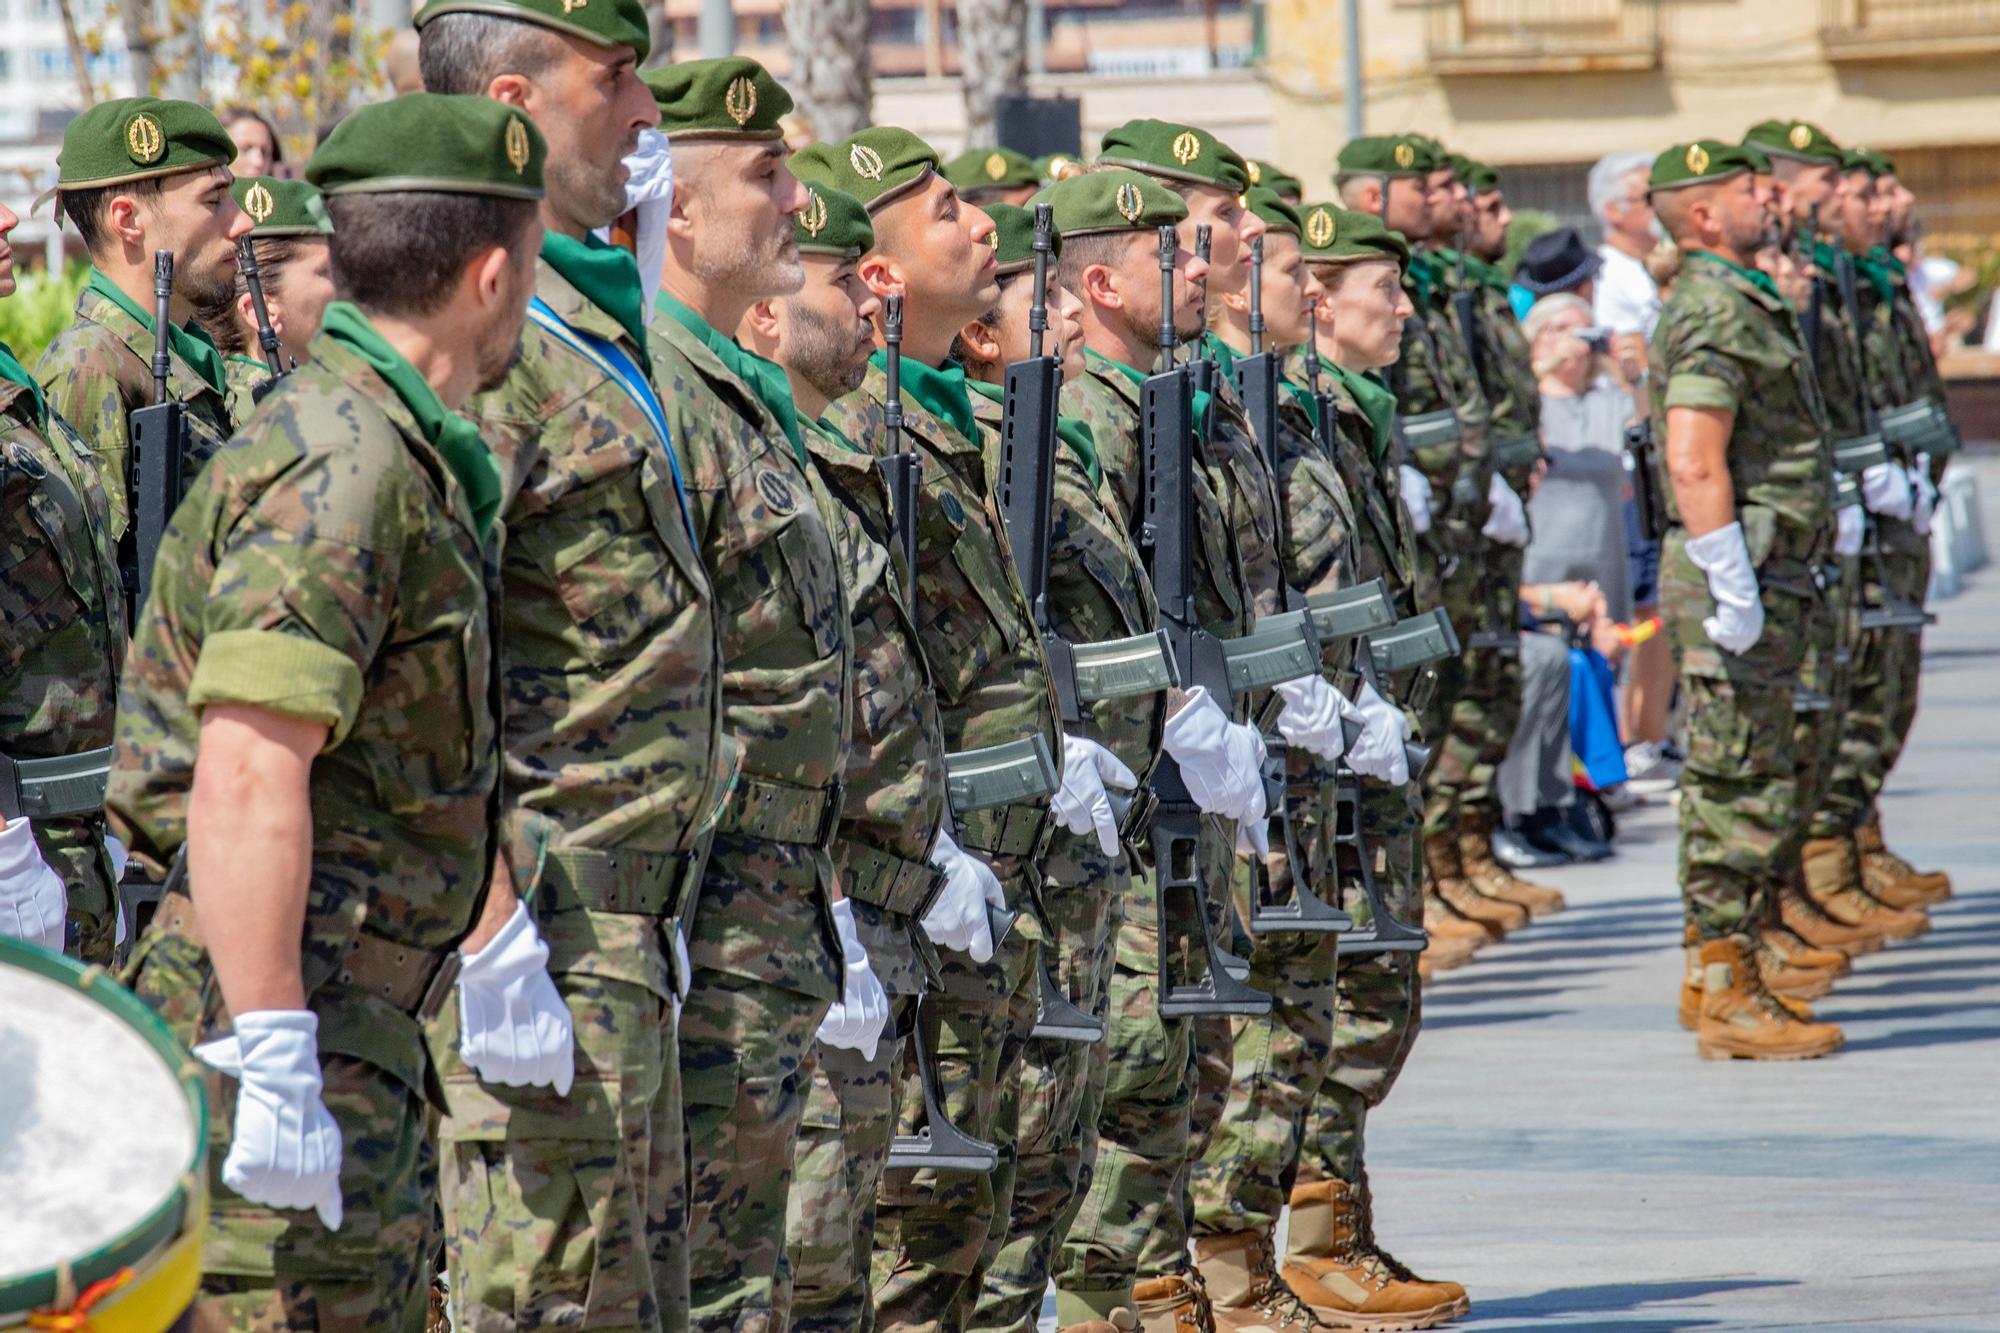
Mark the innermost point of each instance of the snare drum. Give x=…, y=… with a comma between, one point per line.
x=103, y=1143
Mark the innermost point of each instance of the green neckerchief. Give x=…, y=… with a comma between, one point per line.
x=1485, y=274
x=1422, y=272
x=942, y=393
x=1198, y=409
x=607, y=276
x=1214, y=349
x=456, y=439
x=1376, y=403
x=1886, y=257
x=765, y=378
x=1880, y=276
x=1755, y=277
x=191, y=345
x=1072, y=431
x=12, y=369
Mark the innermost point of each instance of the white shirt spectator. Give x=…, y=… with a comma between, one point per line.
x=1627, y=300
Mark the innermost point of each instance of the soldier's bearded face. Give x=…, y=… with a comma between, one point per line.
x=1743, y=208
x=590, y=106
x=1409, y=205
x=742, y=198
x=197, y=220
x=500, y=346
x=828, y=331
x=1490, y=217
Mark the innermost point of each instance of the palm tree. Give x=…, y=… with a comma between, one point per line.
x=832, y=72
x=993, y=52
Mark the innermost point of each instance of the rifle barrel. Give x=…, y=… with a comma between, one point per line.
x=163, y=294
x=1038, y=312
x=267, y=337
x=1257, y=296
x=1170, y=248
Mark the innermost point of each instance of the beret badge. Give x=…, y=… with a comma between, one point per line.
x=144, y=139
x=259, y=204
x=867, y=163
x=1320, y=227
x=1697, y=159
x=740, y=100
x=1128, y=202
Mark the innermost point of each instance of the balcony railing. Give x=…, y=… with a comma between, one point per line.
x=1904, y=29
x=1516, y=36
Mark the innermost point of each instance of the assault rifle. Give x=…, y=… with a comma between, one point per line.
x=159, y=438
x=902, y=470
x=1856, y=456
x=1200, y=984
x=267, y=337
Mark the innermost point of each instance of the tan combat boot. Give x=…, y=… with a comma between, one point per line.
x=1741, y=1020
x=1807, y=920
x=1175, y=1303
x=1442, y=864
x=1443, y=954
x=1786, y=979
x=1488, y=876
x=1244, y=1289
x=1453, y=923
x=1796, y=952
x=1833, y=882
x=1891, y=878
x=1344, y=1280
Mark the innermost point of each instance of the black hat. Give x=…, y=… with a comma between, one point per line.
x=1557, y=262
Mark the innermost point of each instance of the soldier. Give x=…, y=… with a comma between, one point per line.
x=1822, y=898
x=1905, y=366
x=1447, y=485
x=1277, y=180
x=310, y=723
x=1333, y=1261
x=139, y=175
x=895, y=863
x=985, y=176
x=1098, y=590
x=1749, y=505
x=1129, y=1221
x=773, y=945
x=992, y=685
x=295, y=281
x=574, y=1207
x=65, y=643
x=1507, y=377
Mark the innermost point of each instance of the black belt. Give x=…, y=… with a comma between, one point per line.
x=885, y=880
x=781, y=812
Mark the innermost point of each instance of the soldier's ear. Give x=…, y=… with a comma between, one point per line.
x=1101, y=288
x=982, y=341
x=761, y=320
x=881, y=274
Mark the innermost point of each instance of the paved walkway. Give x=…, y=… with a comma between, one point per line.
x=1556, y=1145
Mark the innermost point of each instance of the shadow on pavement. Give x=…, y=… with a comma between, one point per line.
x=1913, y=1037
x=1612, y=1297
x=1916, y=985
x=1490, y=1020
x=1466, y=995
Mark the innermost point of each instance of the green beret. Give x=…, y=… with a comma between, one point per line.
x=1474, y=176
x=137, y=138
x=1053, y=167
x=1388, y=155
x=1277, y=214
x=876, y=166
x=1014, y=237
x=1330, y=234
x=1794, y=139
x=1872, y=160
x=281, y=208
x=990, y=169
x=733, y=97
x=1178, y=152
x=1274, y=178
x=432, y=142
x=833, y=223
x=1704, y=161
x=1111, y=199
x=600, y=22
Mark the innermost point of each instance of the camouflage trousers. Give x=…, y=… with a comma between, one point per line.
x=932, y=1227
x=570, y=1211
x=1910, y=574
x=74, y=849
x=745, y=1049
x=1377, y=1001
x=1055, y=1099
x=278, y=1270
x=1473, y=715
x=843, y=1144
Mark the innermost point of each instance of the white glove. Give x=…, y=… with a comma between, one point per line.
x=1312, y=714
x=1506, y=519
x=856, y=1022
x=34, y=904
x=1738, y=621
x=1885, y=489
x=513, y=1027
x=1253, y=827
x=1850, y=524
x=1923, y=508
x=1416, y=489
x=1082, y=804
x=1385, y=730
x=957, y=920
x=285, y=1149
x=119, y=854
x=1221, y=761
